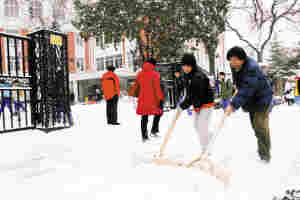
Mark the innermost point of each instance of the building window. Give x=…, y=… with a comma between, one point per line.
x=118, y=61
x=99, y=41
x=11, y=8
x=60, y=12
x=130, y=60
x=13, y=62
x=109, y=61
x=100, y=64
x=14, y=43
x=80, y=64
x=79, y=41
x=35, y=9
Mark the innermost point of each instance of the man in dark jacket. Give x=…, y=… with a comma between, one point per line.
x=254, y=96
x=200, y=95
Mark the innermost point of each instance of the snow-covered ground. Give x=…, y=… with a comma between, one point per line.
x=93, y=160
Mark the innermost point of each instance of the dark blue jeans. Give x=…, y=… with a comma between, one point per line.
x=225, y=103
x=19, y=105
x=60, y=110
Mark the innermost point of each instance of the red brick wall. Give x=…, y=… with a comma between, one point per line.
x=2, y=51
x=24, y=32
x=87, y=56
x=71, y=52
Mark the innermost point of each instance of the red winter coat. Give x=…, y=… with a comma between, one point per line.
x=110, y=85
x=150, y=93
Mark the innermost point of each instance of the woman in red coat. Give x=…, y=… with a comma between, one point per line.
x=150, y=100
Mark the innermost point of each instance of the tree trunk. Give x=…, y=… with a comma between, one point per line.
x=259, y=56
x=211, y=59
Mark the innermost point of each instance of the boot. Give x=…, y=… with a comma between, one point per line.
x=144, y=124
x=155, y=126
x=145, y=137
x=154, y=133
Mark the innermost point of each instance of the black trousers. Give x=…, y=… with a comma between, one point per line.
x=112, y=109
x=155, y=125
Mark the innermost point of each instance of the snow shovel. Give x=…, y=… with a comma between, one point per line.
x=211, y=143
x=169, y=133
x=204, y=164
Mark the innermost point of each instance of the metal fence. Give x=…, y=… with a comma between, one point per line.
x=15, y=86
x=34, y=85
x=168, y=84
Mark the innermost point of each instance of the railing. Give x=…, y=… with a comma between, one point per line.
x=15, y=93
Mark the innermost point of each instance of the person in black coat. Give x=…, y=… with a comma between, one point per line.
x=200, y=96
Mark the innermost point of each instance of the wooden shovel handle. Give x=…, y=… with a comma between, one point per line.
x=170, y=131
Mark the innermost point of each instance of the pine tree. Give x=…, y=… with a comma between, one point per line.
x=277, y=59
x=281, y=63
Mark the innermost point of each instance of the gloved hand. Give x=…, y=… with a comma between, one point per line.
x=197, y=110
x=161, y=104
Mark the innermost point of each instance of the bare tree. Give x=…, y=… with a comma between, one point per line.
x=263, y=18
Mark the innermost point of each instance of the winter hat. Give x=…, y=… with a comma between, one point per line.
x=189, y=59
x=110, y=68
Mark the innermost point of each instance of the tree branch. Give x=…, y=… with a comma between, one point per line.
x=241, y=37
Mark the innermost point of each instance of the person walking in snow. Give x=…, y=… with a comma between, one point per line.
x=17, y=97
x=226, y=89
x=297, y=91
x=6, y=96
x=254, y=95
x=289, y=93
x=200, y=95
x=150, y=99
x=110, y=84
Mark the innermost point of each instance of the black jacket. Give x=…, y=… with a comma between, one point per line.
x=198, y=90
x=179, y=85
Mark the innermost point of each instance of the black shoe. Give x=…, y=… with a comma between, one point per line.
x=145, y=140
x=115, y=123
x=71, y=123
x=265, y=159
x=154, y=135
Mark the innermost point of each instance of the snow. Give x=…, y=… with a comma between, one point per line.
x=93, y=160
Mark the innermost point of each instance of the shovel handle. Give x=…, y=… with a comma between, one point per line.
x=170, y=131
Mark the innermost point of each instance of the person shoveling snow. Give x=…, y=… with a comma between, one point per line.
x=199, y=94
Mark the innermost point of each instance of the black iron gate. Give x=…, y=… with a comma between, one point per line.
x=168, y=84
x=34, y=85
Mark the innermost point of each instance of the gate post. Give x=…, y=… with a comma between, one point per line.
x=50, y=80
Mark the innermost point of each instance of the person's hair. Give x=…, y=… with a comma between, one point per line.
x=15, y=82
x=222, y=73
x=152, y=61
x=236, y=52
x=110, y=68
x=189, y=59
